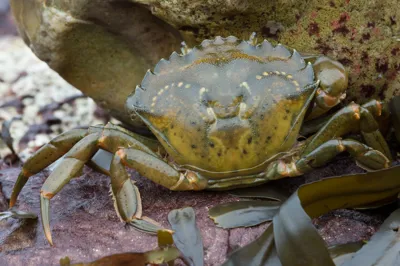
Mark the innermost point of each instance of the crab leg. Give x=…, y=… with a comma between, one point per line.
x=353, y=118
x=73, y=162
x=59, y=146
x=365, y=156
x=125, y=193
x=45, y=156
x=158, y=171
x=127, y=203
x=126, y=197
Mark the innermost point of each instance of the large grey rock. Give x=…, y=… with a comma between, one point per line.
x=6, y=22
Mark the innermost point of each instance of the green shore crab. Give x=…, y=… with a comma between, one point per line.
x=226, y=114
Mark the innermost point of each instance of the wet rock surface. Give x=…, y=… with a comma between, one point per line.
x=85, y=226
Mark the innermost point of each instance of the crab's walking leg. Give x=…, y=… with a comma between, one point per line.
x=365, y=156
x=325, y=144
x=45, y=156
x=158, y=171
x=127, y=203
x=353, y=118
x=125, y=193
x=101, y=161
x=73, y=162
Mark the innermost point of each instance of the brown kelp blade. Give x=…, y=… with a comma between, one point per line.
x=243, y=213
x=296, y=237
x=261, y=251
x=343, y=252
x=268, y=191
x=165, y=253
x=350, y=191
x=165, y=238
x=292, y=229
x=187, y=235
x=383, y=247
x=131, y=259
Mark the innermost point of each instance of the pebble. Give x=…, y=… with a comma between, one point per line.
x=21, y=74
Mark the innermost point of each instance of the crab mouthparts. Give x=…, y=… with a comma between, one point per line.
x=226, y=112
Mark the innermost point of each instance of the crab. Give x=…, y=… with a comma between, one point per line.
x=225, y=114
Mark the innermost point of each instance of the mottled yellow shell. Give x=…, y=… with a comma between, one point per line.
x=226, y=107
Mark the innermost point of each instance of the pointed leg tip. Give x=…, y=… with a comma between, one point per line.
x=44, y=210
x=49, y=239
x=12, y=203
x=19, y=184
x=13, y=198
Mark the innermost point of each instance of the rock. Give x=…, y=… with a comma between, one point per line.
x=4, y=6
x=7, y=26
x=362, y=35
x=30, y=89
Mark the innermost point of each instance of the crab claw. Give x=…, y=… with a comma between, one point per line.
x=44, y=212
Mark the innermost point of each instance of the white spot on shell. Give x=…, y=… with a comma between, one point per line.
x=202, y=91
x=211, y=113
x=244, y=84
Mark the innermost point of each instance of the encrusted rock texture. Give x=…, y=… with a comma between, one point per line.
x=84, y=224
x=363, y=35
